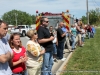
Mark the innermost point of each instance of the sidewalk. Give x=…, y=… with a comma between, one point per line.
x=58, y=66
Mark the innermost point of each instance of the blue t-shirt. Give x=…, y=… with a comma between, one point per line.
x=4, y=48
x=65, y=30
x=93, y=30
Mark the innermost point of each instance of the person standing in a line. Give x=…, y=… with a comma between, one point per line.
x=67, y=37
x=35, y=54
x=5, y=50
x=73, y=31
x=61, y=36
x=45, y=40
x=93, y=31
x=19, y=58
x=55, y=42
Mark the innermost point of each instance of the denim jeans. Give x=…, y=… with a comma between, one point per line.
x=88, y=35
x=92, y=35
x=55, y=48
x=47, y=63
x=60, y=49
x=82, y=39
x=73, y=41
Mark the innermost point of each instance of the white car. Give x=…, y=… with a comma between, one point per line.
x=21, y=29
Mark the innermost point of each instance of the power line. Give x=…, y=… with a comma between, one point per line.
x=95, y=6
x=96, y=3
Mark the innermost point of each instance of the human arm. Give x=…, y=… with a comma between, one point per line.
x=78, y=28
x=5, y=57
x=61, y=32
x=44, y=35
x=44, y=40
x=42, y=50
x=33, y=50
x=64, y=34
x=21, y=59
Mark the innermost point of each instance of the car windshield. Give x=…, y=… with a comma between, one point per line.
x=20, y=27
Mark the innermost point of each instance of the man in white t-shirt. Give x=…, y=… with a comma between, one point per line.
x=5, y=51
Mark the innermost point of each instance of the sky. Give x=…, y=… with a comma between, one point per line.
x=77, y=8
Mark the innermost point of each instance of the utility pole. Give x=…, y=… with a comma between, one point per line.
x=16, y=18
x=0, y=17
x=87, y=12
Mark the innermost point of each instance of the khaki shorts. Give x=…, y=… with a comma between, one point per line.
x=79, y=37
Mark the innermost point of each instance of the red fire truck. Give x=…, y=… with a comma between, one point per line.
x=55, y=18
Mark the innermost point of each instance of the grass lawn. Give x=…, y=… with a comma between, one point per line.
x=85, y=60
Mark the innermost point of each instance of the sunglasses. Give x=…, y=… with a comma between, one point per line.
x=35, y=33
x=46, y=21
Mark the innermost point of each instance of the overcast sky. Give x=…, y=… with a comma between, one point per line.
x=75, y=7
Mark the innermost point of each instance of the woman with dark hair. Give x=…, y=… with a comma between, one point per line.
x=18, y=66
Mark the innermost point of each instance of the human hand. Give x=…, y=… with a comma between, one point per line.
x=22, y=59
x=51, y=38
x=42, y=52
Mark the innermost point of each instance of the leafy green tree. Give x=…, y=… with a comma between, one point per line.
x=33, y=19
x=84, y=19
x=17, y=17
x=94, y=17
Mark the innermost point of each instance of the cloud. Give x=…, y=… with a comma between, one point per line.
x=76, y=7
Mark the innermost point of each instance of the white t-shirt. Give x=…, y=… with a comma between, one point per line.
x=4, y=48
x=83, y=33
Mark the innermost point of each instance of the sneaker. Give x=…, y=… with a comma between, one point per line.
x=63, y=59
x=82, y=44
x=55, y=60
x=75, y=47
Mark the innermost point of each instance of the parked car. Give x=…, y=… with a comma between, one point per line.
x=21, y=29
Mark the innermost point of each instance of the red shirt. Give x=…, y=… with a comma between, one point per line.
x=20, y=67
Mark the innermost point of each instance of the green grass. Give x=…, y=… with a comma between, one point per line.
x=86, y=60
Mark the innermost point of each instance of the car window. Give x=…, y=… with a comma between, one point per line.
x=20, y=27
x=26, y=26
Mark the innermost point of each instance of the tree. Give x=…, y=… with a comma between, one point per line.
x=94, y=17
x=84, y=19
x=33, y=19
x=17, y=17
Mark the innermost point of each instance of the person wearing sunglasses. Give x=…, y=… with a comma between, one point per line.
x=6, y=53
x=34, y=52
x=45, y=39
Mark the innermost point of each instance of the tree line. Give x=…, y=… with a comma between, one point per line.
x=94, y=17
x=18, y=17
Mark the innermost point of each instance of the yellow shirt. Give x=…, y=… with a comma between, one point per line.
x=33, y=52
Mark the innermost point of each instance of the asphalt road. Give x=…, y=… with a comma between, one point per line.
x=24, y=40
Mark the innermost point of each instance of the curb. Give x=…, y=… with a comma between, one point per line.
x=60, y=70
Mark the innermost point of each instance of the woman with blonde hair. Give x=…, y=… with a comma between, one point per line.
x=35, y=52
